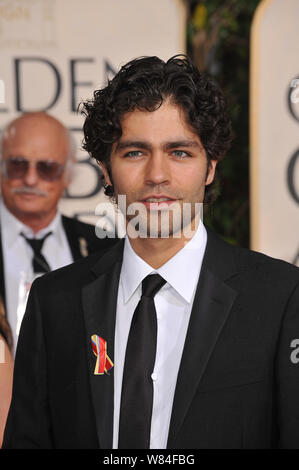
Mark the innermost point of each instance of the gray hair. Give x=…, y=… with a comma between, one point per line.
x=71, y=156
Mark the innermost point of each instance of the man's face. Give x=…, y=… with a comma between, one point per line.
x=34, y=138
x=160, y=161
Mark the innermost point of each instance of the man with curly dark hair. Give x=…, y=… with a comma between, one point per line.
x=172, y=338
x=145, y=84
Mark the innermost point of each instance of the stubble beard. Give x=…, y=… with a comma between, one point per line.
x=174, y=221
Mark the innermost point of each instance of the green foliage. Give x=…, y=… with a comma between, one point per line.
x=218, y=41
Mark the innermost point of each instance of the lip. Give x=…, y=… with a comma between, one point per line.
x=28, y=195
x=155, y=205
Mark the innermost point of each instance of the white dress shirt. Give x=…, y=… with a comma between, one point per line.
x=173, y=304
x=17, y=259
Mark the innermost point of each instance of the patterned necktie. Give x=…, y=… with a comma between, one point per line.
x=39, y=262
x=137, y=387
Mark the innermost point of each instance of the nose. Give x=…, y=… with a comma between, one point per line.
x=157, y=169
x=31, y=177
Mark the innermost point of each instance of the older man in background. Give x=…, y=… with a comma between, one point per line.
x=36, y=161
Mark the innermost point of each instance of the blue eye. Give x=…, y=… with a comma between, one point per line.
x=181, y=153
x=133, y=154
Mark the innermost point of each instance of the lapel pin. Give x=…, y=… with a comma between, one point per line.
x=83, y=247
x=99, y=347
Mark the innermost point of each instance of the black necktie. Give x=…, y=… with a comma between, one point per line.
x=137, y=387
x=39, y=262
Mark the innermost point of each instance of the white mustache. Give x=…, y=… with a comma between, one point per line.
x=28, y=190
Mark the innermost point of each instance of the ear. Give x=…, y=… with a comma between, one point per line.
x=68, y=173
x=106, y=174
x=211, y=171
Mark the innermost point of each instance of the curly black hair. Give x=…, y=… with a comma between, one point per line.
x=144, y=83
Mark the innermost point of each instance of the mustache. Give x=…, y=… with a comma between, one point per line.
x=28, y=190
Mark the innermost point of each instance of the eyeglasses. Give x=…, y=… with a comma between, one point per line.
x=17, y=168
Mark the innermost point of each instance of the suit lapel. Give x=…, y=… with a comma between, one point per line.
x=2, y=281
x=99, y=300
x=211, y=307
x=72, y=237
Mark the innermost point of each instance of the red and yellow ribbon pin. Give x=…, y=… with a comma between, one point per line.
x=99, y=347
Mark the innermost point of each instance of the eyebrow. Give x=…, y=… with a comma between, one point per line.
x=166, y=145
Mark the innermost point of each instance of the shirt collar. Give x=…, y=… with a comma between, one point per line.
x=13, y=227
x=181, y=271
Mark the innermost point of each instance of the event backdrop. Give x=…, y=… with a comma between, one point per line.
x=55, y=53
x=274, y=129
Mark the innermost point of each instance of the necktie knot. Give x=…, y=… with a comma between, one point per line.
x=39, y=263
x=36, y=243
x=151, y=285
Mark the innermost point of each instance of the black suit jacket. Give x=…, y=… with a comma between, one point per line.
x=237, y=386
x=82, y=241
